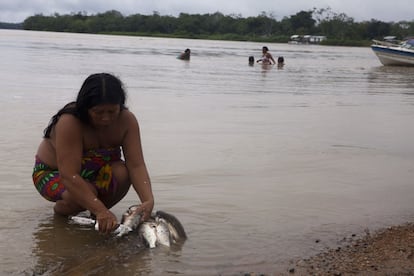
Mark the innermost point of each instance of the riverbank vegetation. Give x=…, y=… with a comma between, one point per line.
x=339, y=28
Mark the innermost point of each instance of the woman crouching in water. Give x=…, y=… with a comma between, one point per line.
x=78, y=163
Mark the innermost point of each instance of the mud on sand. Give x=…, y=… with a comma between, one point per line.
x=387, y=252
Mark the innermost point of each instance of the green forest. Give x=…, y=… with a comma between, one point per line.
x=339, y=28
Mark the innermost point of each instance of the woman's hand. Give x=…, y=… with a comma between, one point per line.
x=145, y=209
x=107, y=221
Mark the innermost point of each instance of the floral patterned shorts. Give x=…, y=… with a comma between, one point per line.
x=96, y=169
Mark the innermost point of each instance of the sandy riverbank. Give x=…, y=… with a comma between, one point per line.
x=387, y=252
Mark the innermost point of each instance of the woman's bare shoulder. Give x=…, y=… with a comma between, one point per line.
x=68, y=119
x=128, y=117
x=68, y=123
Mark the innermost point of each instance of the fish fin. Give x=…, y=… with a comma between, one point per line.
x=122, y=230
x=173, y=222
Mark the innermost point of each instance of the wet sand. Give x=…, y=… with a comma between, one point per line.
x=388, y=251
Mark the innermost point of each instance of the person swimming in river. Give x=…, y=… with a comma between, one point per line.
x=251, y=60
x=280, y=62
x=267, y=58
x=78, y=164
x=185, y=55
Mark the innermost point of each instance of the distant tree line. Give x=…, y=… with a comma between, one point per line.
x=338, y=28
x=15, y=26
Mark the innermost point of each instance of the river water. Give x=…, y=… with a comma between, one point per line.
x=261, y=165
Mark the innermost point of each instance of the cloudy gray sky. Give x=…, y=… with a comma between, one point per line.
x=387, y=11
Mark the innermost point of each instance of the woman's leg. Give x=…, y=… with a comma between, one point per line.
x=120, y=172
x=67, y=206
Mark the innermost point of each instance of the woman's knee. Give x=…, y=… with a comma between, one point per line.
x=120, y=172
x=66, y=208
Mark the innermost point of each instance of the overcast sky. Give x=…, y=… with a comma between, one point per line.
x=396, y=10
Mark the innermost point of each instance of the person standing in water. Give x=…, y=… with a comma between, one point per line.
x=78, y=163
x=185, y=55
x=267, y=58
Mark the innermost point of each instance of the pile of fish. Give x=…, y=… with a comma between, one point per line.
x=161, y=229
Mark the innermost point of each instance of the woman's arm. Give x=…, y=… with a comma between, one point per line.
x=269, y=56
x=134, y=160
x=69, y=147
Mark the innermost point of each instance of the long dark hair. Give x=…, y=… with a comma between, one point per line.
x=102, y=88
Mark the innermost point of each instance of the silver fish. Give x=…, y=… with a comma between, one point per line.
x=177, y=232
x=147, y=230
x=82, y=220
x=119, y=231
x=129, y=222
x=130, y=218
x=162, y=231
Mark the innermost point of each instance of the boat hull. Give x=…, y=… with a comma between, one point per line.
x=394, y=55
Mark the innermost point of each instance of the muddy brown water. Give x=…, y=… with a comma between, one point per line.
x=257, y=163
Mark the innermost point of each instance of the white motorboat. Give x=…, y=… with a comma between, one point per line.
x=391, y=53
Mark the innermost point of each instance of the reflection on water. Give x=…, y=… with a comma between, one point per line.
x=257, y=163
x=68, y=249
x=384, y=79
